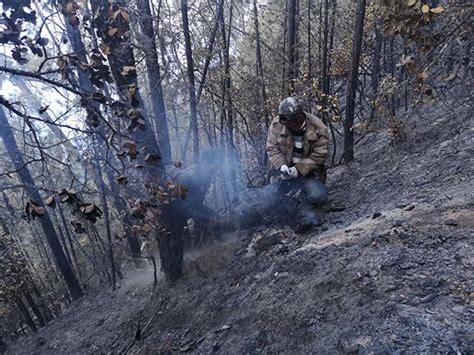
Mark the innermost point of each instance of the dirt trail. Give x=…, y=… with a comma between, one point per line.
x=390, y=270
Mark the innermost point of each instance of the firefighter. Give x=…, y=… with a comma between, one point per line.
x=297, y=146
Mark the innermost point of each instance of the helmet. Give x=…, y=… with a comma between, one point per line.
x=290, y=108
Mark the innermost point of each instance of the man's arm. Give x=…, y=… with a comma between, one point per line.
x=275, y=155
x=198, y=212
x=317, y=156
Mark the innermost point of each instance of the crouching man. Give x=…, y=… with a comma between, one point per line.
x=297, y=145
x=197, y=179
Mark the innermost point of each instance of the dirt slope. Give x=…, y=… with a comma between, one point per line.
x=390, y=271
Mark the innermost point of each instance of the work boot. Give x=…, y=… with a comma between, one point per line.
x=307, y=223
x=304, y=217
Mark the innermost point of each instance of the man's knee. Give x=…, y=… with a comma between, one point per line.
x=317, y=194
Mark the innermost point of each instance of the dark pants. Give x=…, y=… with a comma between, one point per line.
x=312, y=188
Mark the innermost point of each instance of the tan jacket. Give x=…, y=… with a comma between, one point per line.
x=316, y=143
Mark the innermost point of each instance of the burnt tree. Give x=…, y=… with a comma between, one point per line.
x=191, y=78
x=123, y=67
x=21, y=168
x=291, y=57
x=352, y=81
x=154, y=80
x=75, y=38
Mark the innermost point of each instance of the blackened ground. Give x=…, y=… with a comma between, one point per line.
x=390, y=271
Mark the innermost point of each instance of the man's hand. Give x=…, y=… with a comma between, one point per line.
x=285, y=172
x=293, y=172
x=288, y=173
x=284, y=169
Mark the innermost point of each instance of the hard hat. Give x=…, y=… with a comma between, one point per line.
x=290, y=108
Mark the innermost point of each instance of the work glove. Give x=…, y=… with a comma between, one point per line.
x=288, y=173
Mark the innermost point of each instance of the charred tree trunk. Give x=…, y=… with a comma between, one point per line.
x=227, y=101
x=123, y=67
x=171, y=245
x=320, y=40
x=191, y=79
x=227, y=79
x=261, y=82
x=291, y=45
x=26, y=314
x=210, y=48
x=391, y=70
x=122, y=208
x=62, y=239
x=121, y=56
x=324, y=59
x=308, y=40
x=65, y=268
x=297, y=40
x=85, y=83
x=284, y=64
x=47, y=314
x=352, y=82
x=105, y=207
x=259, y=64
x=374, y=83
x=176, y=127
x=44, y=257
x=154, y=80
x=331, y=42
x=35, y=309
x=69, y=238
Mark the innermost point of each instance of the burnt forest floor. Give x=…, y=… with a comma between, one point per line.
x=390, y=270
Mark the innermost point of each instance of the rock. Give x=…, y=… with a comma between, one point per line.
x=376, y=215
x=224, y=327
x=451, y=222
x=265, y=241
x=350, y=348
x=335, y=208
x=414, y=301
x=355, y=345
x=401, y=205
x=391, y=288
x=409, y=208
x=394, y=232
x=240, y=252
x=428, y=298
x=373, y=273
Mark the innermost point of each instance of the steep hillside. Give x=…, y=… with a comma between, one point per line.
x=390, y=270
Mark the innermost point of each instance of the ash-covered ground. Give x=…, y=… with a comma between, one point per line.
x=390, y=270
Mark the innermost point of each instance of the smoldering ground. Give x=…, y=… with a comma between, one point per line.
x=239, y=202
x=216, y=188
